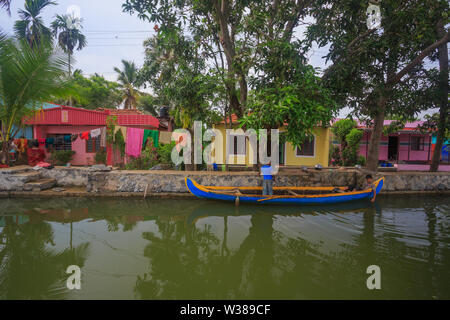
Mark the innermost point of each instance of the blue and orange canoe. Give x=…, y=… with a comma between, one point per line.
x=311, y=195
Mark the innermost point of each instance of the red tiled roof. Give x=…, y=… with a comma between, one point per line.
x=65, y=115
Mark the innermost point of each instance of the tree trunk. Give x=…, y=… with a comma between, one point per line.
x=443, y=99
x=70, y=74
x=70, y=69
x=374, y=145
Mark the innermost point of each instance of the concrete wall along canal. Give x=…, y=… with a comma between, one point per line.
x=92, y=181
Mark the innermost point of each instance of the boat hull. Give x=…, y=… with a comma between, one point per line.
x=330, y=198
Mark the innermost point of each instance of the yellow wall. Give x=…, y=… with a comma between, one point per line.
x=321, y=151
x=322, y=148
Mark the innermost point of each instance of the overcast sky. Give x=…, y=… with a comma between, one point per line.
x=112, y=35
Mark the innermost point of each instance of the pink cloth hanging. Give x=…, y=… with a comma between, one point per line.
x=133, y=146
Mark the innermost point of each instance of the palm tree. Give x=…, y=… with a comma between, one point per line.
x=31, y=25
x=28, y=76
x=127, y=79
x=7, y=5
x=70, y=36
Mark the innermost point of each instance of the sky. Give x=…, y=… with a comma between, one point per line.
x=113, y=35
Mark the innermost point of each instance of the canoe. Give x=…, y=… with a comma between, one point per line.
x=325, y=196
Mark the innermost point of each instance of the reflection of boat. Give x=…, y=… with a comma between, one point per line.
x=237, y=193
x=208, y=209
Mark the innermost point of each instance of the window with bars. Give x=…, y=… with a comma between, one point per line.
x=93, y=145
x=307, y=149
x=417, y=143
x=59, y=143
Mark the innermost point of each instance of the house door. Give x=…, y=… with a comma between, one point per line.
x=393, y=148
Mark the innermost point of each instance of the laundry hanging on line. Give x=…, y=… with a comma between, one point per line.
x=123, y=130
x=165, y=137
x=95, y=133
x=103, y=137
x=84, y=135
x=154, y=135
x=135, y=138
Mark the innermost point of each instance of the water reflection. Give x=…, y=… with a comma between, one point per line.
x=29, y=269
x=208, y=250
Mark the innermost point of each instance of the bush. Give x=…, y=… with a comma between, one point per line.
x=361, y=161
x=100, y=157
x=349, y=137
x=147, y=159
x=62, y=157
x=336, y=156
x=165, y=153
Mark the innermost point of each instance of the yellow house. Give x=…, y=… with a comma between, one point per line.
x=310, y=154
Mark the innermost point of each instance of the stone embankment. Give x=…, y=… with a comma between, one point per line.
x=102, y=181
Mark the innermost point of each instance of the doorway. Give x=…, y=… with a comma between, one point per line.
x=393, y=148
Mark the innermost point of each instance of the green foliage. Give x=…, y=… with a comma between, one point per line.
x=31, y=26
x=28, y=77
x=119, y=142
x=165, y=152
x=354, y=137
x=67, y=30
x=62, y=157
x=7, y=5
x=296, y=99
x=335, y=156
x=127, y=77
x=361, y=161
x=431, y=124
x=93, y=92
x=149, y=104
x=100, y=157
x=342, y=128
x=147, y=159
x=349, y=138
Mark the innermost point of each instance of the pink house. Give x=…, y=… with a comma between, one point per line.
x=64, y=120
x=407, y=149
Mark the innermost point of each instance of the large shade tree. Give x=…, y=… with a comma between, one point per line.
x=31, y=26
x=443, y=123
x=378, y=71
x=28, y=77
x=67, y=29
x=227, y=31
x=177, y=72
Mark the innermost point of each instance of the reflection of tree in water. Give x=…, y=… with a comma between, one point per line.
x=180, y=258
x=190, y=262
x=28, y=268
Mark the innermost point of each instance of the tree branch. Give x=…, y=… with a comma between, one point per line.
x=395, y=79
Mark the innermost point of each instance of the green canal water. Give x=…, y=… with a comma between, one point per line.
x=193, y=249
